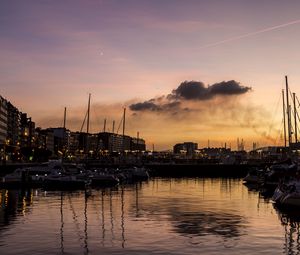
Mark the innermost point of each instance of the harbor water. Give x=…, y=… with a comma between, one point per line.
x=160, y=216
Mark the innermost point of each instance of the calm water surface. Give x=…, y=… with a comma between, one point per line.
x=161, y=216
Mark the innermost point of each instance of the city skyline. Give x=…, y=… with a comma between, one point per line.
x=192, y=71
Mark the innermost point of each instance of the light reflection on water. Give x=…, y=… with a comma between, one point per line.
x=162, y=216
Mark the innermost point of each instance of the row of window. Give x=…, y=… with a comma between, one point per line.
x=2, y=137
x=3, y=127
x=2, y=120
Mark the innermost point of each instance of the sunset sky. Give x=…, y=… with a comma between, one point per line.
x=190, y=70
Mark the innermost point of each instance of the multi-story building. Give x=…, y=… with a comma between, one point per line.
x=73, y=146
x=188, y=148
x=27, y=131
x=137, y=144
x=13, y=126
x=114, y=142
x=45, y=139
x=3, y=121
x=81, y=144
x=61, y=139
x=18, y=136
x=3, y=128
x=93, y=144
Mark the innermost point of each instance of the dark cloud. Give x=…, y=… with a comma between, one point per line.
x=228, y=88
x=195, y=90
x=172, y=105
x=145, y=106
x=154, y=107
x=190, y=91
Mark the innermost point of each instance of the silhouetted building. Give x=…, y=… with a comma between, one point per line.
x=137, y=144
x=61, y=139
x=81, y=144
x=188, y=148
x=27, y=127
x=3, y=121
x=93, y=144
x=45, y=139
x=270, y=153
x=115, y=142
x=13, y=126
x=73, y=145
x=3, y=128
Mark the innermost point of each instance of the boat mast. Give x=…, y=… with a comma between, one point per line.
x=113, y=127
x=124, y=114
x=137, y=141
x=88, y=126
x=288, y=111
x=104, y=128
x=284, y=125
x=64, y=132
x=65, y=117
x=295, y=117
x=88, y=115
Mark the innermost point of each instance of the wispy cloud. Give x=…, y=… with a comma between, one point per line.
x=239, y=37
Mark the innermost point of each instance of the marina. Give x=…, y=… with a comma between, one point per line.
x=149, y=127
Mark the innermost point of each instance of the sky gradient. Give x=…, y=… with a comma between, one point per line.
x=128, y=52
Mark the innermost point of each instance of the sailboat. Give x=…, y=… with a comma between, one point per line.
x=287, y=192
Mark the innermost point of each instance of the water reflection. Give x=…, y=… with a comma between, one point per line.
x=160, y=216
x=86, y=249
x=290, y=220
x=61, y=223
x=264, y=193
x=203, y=223
x=63, y=205
x=14, y=203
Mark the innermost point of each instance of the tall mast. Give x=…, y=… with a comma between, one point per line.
x=284, y=125
x=113, y=127
x=104, y=128
x=288, y=111
x=137, y=140
x=88, y=115
x=295, y=117
x=124, y=114
x=65, y=117
x=64, y=133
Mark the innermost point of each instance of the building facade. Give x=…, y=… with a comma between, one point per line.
x=13, y=126
x=187, y=148
x=3, y=121
x=137, y=144
x=114, y=142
